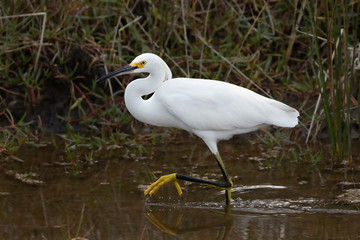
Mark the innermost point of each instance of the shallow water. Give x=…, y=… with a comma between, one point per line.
x=271, y=199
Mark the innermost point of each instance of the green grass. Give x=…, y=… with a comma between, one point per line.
x=51, y=57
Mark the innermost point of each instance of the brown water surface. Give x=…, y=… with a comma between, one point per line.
x=272, y=199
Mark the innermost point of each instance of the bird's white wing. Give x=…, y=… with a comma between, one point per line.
x=215, y=105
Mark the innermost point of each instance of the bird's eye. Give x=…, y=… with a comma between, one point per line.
x=141, y=64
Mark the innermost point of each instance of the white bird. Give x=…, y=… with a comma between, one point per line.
x=212, y=110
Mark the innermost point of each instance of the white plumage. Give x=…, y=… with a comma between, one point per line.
x=211, y=109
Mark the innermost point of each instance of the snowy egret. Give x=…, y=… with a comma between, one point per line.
x=212, y=110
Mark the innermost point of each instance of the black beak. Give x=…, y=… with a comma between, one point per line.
x=127, y=68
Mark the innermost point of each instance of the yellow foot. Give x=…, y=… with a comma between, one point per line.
x=161, y=181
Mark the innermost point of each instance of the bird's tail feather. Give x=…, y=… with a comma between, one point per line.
x=282, y=115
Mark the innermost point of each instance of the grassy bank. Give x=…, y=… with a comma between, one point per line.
x=306, y=55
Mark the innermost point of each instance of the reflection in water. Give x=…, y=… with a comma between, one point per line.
x=213, y=221
x=222, y=223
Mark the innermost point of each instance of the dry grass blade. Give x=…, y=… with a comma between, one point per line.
x=233, y=66
x=204, y=36
x=41, y=40
x=252, y=27
x=295, y=28
x=185, y=38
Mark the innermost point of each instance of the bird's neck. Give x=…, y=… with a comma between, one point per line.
x=145, y=86
x=137, y=106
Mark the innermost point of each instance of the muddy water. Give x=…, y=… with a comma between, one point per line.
x=271, y=199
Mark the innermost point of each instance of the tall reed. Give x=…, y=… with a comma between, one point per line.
x=335, y=64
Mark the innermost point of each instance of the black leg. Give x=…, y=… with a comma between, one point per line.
x=223, y=185
x=226, y=185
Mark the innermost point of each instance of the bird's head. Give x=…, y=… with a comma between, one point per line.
x=144, y=63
